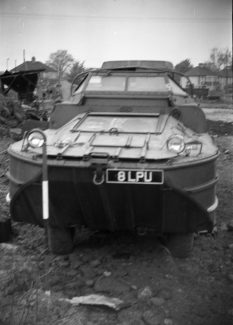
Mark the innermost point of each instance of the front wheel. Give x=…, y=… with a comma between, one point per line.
x=180, y=245
x=60, y=239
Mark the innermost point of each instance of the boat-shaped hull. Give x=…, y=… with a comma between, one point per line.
x=183, y=203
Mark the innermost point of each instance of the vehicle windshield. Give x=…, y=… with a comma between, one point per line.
x=106, y=83
x=118, y=124
x=147, y=84
x=134, y=84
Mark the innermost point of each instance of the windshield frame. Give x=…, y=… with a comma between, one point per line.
x=128, y=74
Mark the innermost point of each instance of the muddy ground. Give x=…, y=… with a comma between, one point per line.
x=155, y=288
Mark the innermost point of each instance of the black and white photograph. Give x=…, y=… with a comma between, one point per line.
x=116, y=162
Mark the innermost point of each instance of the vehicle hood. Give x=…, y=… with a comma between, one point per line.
x=142, y=136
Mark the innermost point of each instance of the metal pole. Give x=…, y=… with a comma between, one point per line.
x=45, y=183
x=45, y=188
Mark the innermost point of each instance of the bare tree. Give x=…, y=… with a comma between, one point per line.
x=61, y=61
x=77, y=67
x=183, y=66
x=219, y=59
x=224, y=58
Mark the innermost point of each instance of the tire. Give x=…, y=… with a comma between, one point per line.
x=180, y=245
x=60, y=240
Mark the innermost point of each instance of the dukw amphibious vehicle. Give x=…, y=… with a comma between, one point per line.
x=129, y=151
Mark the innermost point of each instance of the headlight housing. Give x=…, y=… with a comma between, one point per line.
x=36, y=139
x=193, y=149
x=176, y=144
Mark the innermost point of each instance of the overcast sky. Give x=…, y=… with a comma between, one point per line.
x=97, y=30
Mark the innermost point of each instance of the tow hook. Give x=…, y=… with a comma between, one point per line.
x=98, y=177
x=99, y=161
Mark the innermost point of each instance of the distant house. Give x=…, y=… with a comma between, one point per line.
x=225, y=79
x=46, y=72
x=201, y=77
x=47, y=77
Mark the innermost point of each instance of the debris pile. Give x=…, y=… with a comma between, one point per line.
x=15, y=118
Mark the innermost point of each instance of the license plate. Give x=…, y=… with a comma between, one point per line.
x=134, y=176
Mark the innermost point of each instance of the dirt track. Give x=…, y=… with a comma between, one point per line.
x=155, y=288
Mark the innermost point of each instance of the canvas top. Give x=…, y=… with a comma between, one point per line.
x=160, y=65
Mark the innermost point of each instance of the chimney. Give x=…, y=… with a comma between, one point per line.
x=33, y=59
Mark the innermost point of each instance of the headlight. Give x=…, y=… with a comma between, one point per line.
x=193, y=149
x=36, y=139
x=176, y=144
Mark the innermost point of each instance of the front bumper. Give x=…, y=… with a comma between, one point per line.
x=184, y=203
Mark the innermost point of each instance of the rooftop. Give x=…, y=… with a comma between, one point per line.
x=32, y=65
x=200, y=71
x=226, y=72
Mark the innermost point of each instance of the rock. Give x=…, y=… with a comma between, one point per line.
x=110, y=285
x=19, y=116
x=41, y=265
x=133, y=322
x=99, y=272
x=157, y=301
x=227, y=151
x=165, y=294
x=76, y=265
x=107, y=273
x=128, y=316
x=71, y=289
x=8, y=247
x=122, y=255
x=72, y=273
x=85, y=258
x=168, y=321
x=134, y=287
x=152, y=318
x=61, y=261
x=3, y=130
x=64, y=263
x=3, y=120
x=223, y=226
x=230, y=246
x=230, y=277
x=17, y=280
x=145, y=293
x=89, y=283
x=95, y=263
x=88, y=272
x=54, y=280
x=230, y=225
x=12, y=124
